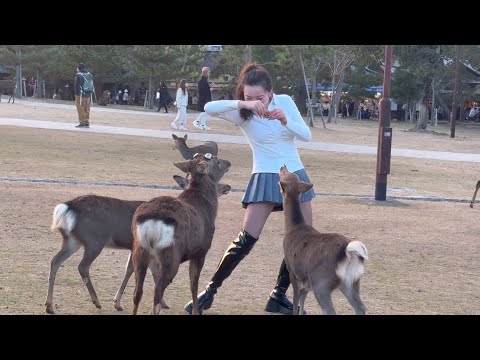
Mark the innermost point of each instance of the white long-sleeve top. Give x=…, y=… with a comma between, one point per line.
x=181, y=98
x=272, y=143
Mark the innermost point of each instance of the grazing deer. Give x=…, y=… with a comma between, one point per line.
x=318, y=261
x=171, y=230
x=8, y=87
x=475, y=193
x=96, y=222
x=187, y=153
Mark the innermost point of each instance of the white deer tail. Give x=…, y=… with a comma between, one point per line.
x=350, y=269
x=357, y=248
x=63, y=218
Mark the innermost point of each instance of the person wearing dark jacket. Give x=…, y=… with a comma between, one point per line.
x=83, y=98
x=204, y=96
x=164, y=95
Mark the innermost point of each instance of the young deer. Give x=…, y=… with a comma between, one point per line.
x=318, y=261
x=475, y=193
x=96, y=222
x=171, y=230
x=210, y=147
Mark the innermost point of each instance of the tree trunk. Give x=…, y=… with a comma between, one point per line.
x=18, y=75
x=39, y=85
x=423, y=115
x=355, y=108
x=336, y=95
x=446, y=109
x=151, y=92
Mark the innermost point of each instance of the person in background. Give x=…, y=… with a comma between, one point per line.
x=164, y=95
x=204, y=96
x=83, y=98
x=181, y=102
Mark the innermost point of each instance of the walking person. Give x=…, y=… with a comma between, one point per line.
x=83, y=95
x=270, y=123
x=164, y=95
x=204, y=96
x=181, y=102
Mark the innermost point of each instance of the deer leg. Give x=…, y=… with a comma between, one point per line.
x=70, y=245
x=296, y=292
x=475, y=193
x=140, y=260
x=352, y=293
x=128, y=274
x=303, y=296
x=323, y=294
x=168, y=270
x=155, y=270
x=194, y=270
x=90, y=254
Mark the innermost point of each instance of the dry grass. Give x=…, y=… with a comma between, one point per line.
x=424, y=256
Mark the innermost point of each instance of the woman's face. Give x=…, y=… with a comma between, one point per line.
x=257, y=92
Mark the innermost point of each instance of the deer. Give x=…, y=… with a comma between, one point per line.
x=171, y=230
x=317, y=261
x=8, y=87
x=475, y=193
x=210, y=147
x=97, y=222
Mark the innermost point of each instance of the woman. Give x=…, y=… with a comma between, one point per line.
x=270, y=123
x=181, y=103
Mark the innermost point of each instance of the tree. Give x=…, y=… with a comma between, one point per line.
x=340, y=59
x=425, y=63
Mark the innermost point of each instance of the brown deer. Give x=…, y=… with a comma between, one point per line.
x=96, y=222
x=8, y=87
x=187, y=152
x=475, y=193
x=318, y=261
x=171, y=230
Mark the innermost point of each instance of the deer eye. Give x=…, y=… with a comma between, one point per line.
x=196, y=154
x=208, y=156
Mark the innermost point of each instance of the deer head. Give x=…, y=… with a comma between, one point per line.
x=290, y=183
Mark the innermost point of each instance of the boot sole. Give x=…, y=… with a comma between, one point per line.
x=273, y=307
x=189, y=308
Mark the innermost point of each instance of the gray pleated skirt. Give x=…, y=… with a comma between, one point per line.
x=263, y=187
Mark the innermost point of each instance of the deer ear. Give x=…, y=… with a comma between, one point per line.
x=183, y=165
x=175, y=136
x=304, y=187
x=181, y=181
x=185, y=136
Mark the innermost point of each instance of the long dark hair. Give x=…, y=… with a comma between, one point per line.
x=252, y=75
x=182, y=85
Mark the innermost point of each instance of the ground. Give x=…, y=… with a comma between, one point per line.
x=423, y=255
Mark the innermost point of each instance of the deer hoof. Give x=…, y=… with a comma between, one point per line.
x=49, y=309
x=118, y=306
x=97, y=305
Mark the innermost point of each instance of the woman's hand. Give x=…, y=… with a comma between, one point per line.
x=277, y=114
x=256, y=106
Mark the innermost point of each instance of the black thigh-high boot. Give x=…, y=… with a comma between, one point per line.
x=278, y=301
x=238, y=249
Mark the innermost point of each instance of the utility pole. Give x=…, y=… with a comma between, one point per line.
x=384, y=147
x=456, y=91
